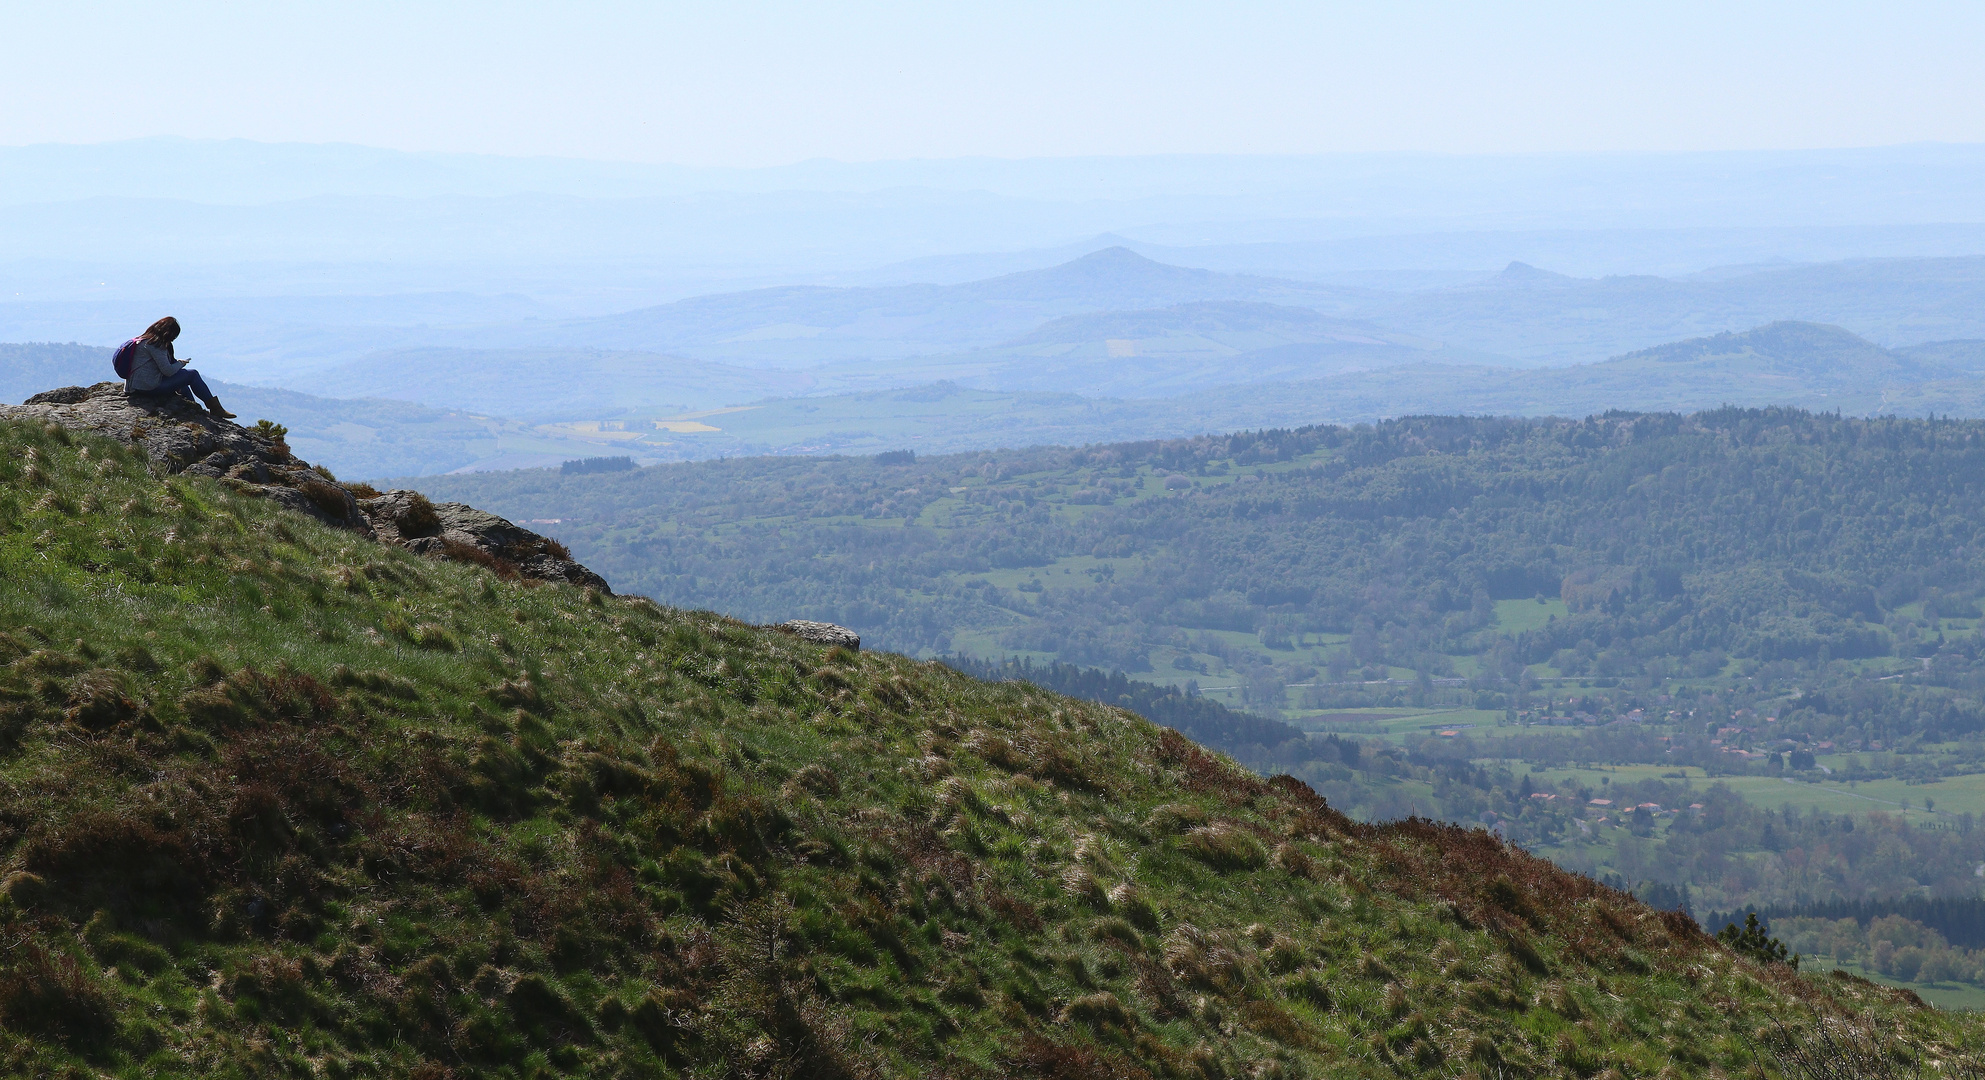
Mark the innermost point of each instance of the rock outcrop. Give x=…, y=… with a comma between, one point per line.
x=825, y=633
x=178, y=436
x=460, y=531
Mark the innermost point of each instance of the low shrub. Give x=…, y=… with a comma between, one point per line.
x=1099, y=1010
x=328, y=497
x=434, y=636
x=417, y=518
x=50, y=993
x=1225, y=848
x=469, y=553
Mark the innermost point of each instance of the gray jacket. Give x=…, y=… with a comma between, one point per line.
x=150, y=365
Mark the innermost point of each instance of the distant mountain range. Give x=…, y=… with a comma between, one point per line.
x=1171, y=335
x=800, y=325
x=1336, y=376
x=1802, y=364
x=1807, y=365
x=1164, y=352
x=1111, y=323
x=1536, y=317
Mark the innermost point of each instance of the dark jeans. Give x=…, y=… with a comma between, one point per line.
x=187, y=383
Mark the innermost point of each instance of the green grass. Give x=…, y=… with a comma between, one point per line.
x=281, y=801
x=1953, y=996
x=1516, y=616
x=1612, y=774
x=1399, y=724
x=1954, y=795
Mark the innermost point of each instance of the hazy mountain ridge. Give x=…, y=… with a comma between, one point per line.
x=1208, y=317
x=817, y=323
x=919, y=333
x=659, y=408
x=552, y=384
x=1551, y=320
x=1530, y=316
x=1803, y=365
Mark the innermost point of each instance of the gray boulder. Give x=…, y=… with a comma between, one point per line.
x=826, y=633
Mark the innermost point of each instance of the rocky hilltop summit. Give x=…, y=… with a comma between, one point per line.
x=178, y=436
x=285, y=791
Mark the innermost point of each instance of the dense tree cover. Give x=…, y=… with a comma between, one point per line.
x=1204, y=720
x=1698, y=844
x=1898, y=947
x=1958, y=921
x=1674, y=542
x=1746, y=592
x=583, y=466
x=1768, y=544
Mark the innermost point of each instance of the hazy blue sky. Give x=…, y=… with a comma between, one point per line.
x=766, y=83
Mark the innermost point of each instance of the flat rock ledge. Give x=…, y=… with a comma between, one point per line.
x=825, y=633
x=178, y=436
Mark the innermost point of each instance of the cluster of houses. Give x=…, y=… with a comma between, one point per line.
x=1603, y=808
x=1580, y=718
x=1747, y=737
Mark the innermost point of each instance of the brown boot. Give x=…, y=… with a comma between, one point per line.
x=214, y=409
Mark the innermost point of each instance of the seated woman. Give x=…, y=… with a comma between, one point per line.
x=154, y=370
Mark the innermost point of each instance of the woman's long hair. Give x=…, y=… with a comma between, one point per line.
x=161, y=332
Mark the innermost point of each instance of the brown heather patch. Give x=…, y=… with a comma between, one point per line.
x=1017, y=912
x=926, y=851
x=1204, y=773
x=328, y=497
x=120, y=861
x=309, y=780
x=51, y=993
x=469, y=553
x=1038, y=1057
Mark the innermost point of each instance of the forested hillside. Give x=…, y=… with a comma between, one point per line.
x=1658, y=544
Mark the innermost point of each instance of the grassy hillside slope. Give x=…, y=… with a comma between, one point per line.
x=275, y=800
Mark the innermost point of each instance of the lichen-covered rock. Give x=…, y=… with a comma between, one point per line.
x=401, y=516
x=179, y=436
x=826, y=633
x=460, y=531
